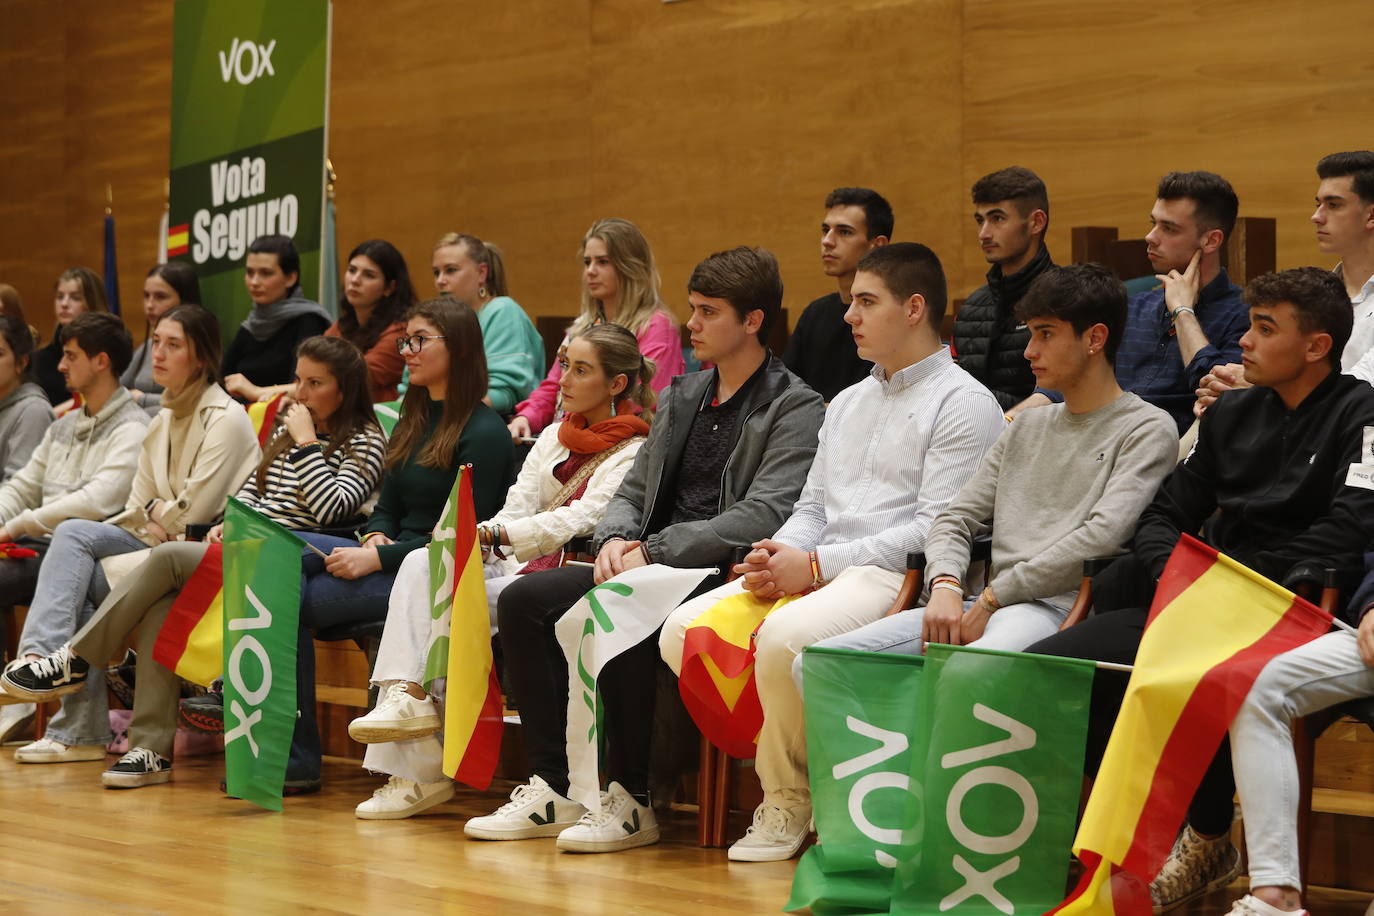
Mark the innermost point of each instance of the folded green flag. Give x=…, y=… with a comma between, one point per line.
x=262, y=593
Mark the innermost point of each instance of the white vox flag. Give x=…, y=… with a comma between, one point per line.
x=614, y=616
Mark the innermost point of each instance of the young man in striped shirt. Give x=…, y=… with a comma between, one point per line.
x=893, y=451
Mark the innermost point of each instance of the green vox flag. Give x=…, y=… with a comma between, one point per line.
x=262, y=597
x=250, y=95
x=1002, y=777
x=863, y=743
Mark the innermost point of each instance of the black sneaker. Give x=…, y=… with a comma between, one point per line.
x=53, y=676
x=139, y=767
x=204, y=713
x=120, y=679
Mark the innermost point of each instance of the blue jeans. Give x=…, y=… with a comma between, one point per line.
x=71, y=585
x=326, y=601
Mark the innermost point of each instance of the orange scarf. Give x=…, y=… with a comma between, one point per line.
x=581, y=439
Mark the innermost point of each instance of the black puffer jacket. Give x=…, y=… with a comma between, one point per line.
x=988, y=339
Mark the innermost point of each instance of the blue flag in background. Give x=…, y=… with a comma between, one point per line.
x=111, y=267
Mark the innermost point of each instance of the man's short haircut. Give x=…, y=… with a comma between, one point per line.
x=878, y=219
x=747, y=278
x=1017, y=184
x=1214, y=200
x=908, y=268
x=1358, y=165
x=1081, y=294
x=1318, y=297
x=101, y=332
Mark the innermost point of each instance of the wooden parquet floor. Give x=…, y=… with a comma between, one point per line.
x=71, y=846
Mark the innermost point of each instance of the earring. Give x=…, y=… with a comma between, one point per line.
x=613, y=410
x=482, y=293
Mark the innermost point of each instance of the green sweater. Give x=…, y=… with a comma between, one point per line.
x=515, y=353
x=413, y=495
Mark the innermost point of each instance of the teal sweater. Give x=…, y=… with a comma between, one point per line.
x=515, y=353
x=413, y=495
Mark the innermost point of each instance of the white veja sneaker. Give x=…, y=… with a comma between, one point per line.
x=781, y=824
x=46, y=750
x=402, y=797
x=622, y=823
x=534, y=810
x=397, y=716
x=1253, y=906
x=14, y=719
x=6, y=697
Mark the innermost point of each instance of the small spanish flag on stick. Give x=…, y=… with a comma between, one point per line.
x=1213, y=626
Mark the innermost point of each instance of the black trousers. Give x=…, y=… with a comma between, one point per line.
x=1114, y=636
x=538, y=675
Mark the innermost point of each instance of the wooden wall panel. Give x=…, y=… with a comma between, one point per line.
x=710, y=122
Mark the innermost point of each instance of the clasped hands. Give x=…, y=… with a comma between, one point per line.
x=946, y=621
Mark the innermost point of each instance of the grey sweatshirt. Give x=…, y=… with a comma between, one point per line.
x=25, y=415
x=1056, y=489
x=139, y=377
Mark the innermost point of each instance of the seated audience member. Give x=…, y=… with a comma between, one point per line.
x=469, y=269
x=78, y=290
x=924, y=425
x=263, y=352
x=25, y=413
x=724, y=462
x=443, y=426
x=166, y=286
x=561, y=493
x=1061, y=485
x=320, y=465
x=85, y=463
x=1345, y=227
x=376, y=297
x=619, y=285
x=11, y=305
x=821, y=349
x=1329, y=670
x=1012, y=210
x=1266, y=484
x=197, y=450
x=1176, y=332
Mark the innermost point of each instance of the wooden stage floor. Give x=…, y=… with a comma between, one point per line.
x=184, y=848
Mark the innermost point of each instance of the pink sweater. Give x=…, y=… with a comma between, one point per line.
x=659, y=340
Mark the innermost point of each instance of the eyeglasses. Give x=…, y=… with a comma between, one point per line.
x=414, y=344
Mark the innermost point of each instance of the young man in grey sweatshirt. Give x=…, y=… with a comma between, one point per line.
x=1061, y=484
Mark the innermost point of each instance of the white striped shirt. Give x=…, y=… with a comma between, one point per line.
x=305, y=489
x=892, y=454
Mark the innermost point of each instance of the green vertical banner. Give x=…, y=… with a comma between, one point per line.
x=262, y=594
x=863, y=740
x=1002, y=774
x=250, y=98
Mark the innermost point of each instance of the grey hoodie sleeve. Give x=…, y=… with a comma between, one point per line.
x=32, y=417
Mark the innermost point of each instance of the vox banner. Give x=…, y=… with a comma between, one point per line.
x=250, y=102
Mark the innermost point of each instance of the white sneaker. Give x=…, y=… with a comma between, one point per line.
x=402, y=797
x=14, y=719
x=1253, y=906
x=46, y=750
x=397, y=716
x=781, y=824
x=7, y=698
x=534, y=810
x=622, y=823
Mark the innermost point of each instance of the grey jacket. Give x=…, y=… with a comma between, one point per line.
x=25, y=416
x=774, y=444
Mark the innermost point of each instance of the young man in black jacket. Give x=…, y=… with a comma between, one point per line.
x=1012, y=210
x=1278, y=461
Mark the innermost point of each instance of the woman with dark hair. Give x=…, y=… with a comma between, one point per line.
x=166, y=286
x=263, y=352
x=321, y=464
x=198, y=449
x=25, y=413
x=10, y=303
x=443, y=426
x=77, y=290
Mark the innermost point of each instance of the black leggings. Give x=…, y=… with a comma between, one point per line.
x=1114, y=637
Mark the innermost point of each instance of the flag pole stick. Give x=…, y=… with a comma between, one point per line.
x=1344, y=626
x=1113, y=666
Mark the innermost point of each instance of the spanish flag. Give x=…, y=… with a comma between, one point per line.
x=1213, y=626
x=716, y=679
x=191, y=641
x=263, y=414
x=472, y=707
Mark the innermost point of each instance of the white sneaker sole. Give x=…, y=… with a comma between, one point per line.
x=78, y=754
x=739, y=853
x=644, y=837
x=365, y=732
x=113, y=780
x=396, y=814
x=532, y=832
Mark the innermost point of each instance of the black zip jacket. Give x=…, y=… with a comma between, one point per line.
x=988, y=340
x=1280, y=480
